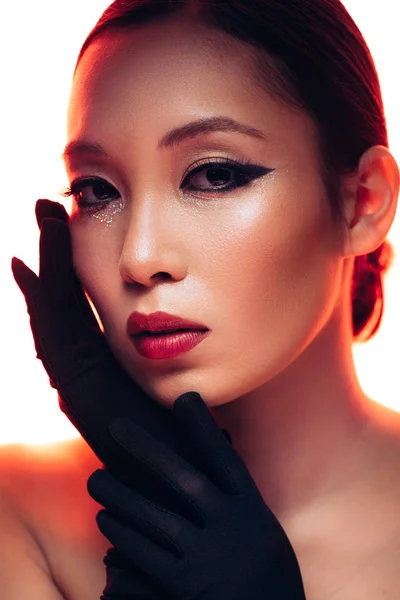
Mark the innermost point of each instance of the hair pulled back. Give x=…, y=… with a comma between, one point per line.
x=320, y=63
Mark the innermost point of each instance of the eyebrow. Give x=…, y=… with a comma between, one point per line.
x=173, y=137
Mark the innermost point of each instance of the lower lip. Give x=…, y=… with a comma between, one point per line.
x=168, y=345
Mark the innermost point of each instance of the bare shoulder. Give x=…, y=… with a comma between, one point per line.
x=20, y=554
x=43, y=489
x=348, y=540
x=45, y=480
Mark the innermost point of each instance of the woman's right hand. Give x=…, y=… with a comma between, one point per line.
x=93, y=389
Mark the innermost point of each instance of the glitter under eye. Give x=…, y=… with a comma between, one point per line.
x=105, y=215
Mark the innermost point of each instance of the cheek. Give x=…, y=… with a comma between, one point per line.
x=281, y=283
x=275, y=246
x=97, y=270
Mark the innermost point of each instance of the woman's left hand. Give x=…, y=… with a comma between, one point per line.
x=220, y=541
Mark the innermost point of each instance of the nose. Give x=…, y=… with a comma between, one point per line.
x=150, y=251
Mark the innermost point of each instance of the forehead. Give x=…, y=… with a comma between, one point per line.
x=155, y=60
x=163, y=74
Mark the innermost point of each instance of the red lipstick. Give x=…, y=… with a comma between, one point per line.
x=161, y=335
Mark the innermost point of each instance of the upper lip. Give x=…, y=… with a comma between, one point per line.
x=158, y=321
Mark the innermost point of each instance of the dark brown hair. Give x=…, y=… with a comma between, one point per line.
x=321, y=64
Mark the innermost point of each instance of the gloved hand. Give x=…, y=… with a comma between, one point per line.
x=226, y=544
x=127, y=582
x=92, y=387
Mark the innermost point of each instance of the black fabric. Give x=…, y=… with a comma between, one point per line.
x=92, y=387
x=230, y=546
x=127, y=582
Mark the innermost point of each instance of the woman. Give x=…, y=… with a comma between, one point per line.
x=229, y=165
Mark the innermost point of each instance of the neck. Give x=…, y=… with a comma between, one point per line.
x=305, y=432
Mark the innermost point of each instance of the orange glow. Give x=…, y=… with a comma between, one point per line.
x=40, y=55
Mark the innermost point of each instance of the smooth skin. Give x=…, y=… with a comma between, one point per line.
x=263, y=266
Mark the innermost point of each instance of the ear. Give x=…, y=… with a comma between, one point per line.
x=371, y=202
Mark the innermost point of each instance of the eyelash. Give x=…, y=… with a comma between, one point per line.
x=244, y=171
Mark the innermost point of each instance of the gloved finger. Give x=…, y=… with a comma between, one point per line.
x=50, y=315
x=47, y=209
x=24, y=277
x=54, y=250
x=197, y=424
x=149, y=557
x=162, y=464
x=149, y=518
x=227, y=470
x=30, y=286
x=123, y=575
x=56, y=268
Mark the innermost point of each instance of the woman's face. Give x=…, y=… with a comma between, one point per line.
x=249, y=251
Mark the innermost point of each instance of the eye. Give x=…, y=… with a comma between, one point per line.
x=222, y=176
x=102, y=192
x=215, y=176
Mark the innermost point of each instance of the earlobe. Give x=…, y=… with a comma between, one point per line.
x=373, y=206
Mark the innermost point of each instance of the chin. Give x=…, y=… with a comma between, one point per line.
x=166, y=388
x=165, y=385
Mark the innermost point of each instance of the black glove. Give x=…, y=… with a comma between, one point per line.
x=127, y=582
x=227, y=545
x=92, y=387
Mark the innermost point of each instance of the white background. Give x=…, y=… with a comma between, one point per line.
x=39, y=44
